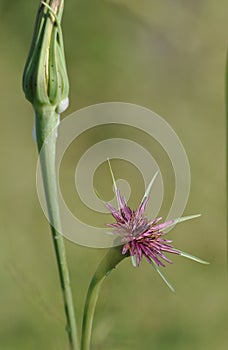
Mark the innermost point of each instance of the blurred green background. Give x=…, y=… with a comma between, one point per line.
x=168, y=56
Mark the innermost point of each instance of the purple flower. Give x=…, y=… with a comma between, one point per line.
x=141, y=237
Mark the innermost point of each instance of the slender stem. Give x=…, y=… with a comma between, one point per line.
x=226, y=101
x=45, y=124
x=108, y=263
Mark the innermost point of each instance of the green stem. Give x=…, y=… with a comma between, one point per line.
x=108, y=263
x=226, y=102
x=45, y=124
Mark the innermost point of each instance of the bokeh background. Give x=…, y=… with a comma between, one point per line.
x=166, y=55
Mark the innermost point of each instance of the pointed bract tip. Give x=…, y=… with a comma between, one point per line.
x=182, y=219
x=114, y=181
x=163, y=277
x=192, y=257
x=186, y=218
x=147, y=192
x=133, y=260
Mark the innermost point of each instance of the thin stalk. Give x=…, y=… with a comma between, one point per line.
x=226, y=101
x=44, y=125
x=113, y=257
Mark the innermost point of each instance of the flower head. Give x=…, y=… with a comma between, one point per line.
x=45, y=80
x=141, y=237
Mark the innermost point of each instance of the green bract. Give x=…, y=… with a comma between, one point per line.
x=45, y=80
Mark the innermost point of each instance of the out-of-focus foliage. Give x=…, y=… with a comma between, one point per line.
x=170, y=57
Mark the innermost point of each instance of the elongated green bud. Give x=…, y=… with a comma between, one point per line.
x=45, y=80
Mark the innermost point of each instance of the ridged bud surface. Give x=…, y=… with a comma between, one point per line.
x=45, y=80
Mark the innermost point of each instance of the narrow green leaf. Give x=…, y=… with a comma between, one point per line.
x=113, y=180
x=192, y=257
x=182, y=219
x=147, y=192
x=185, y=218
x=163, y=277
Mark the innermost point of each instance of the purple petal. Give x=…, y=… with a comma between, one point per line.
x=142, y=207
x=120, y=200
x=163, y=225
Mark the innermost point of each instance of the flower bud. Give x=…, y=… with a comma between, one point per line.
x=45, y=80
